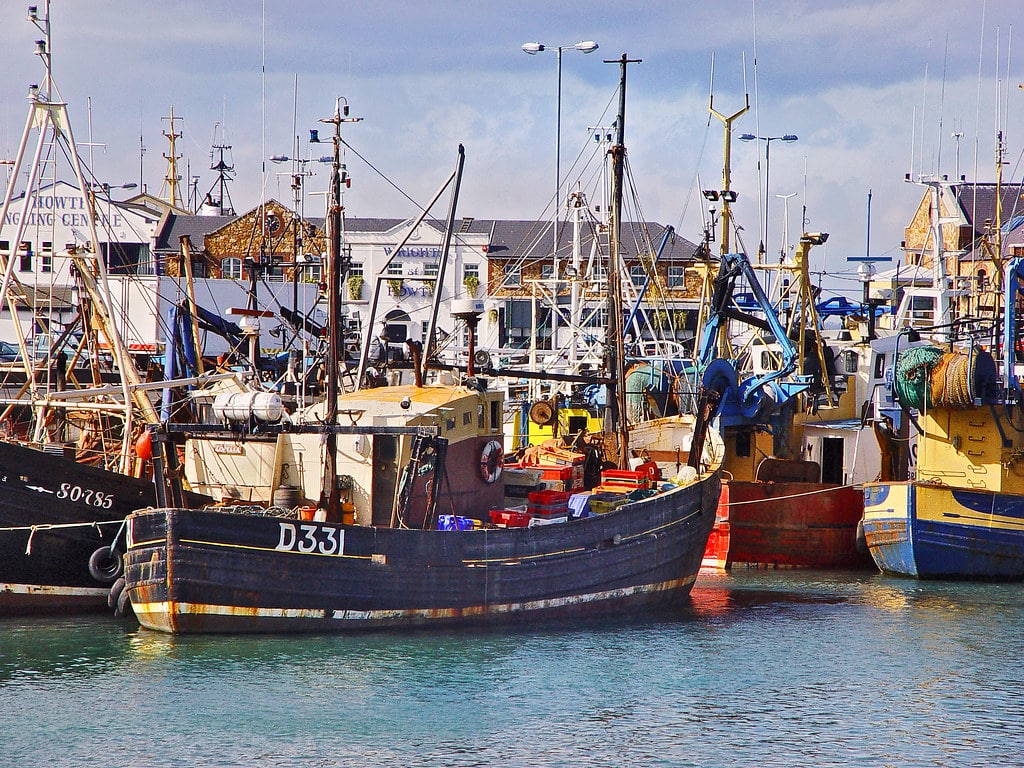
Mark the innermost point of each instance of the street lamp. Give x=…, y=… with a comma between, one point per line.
x=789, y=138
x=585, y=46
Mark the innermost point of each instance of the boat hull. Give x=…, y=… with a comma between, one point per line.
x=54, y=513
x=786, y=525
x=930, y=531
x=193, y=571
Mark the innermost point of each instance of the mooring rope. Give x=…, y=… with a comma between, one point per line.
x=831, y=489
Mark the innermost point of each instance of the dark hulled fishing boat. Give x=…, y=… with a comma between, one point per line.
x=408, y=455
x=216, y=571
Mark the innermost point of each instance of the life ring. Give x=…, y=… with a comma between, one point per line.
x=490, y=462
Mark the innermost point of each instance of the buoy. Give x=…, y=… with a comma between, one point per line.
x=144, y=446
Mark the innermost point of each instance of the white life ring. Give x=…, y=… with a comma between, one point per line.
x=490, y=462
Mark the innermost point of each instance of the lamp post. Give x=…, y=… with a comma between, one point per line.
x=586, y=46
x=789, y=138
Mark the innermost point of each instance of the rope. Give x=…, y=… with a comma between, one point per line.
x=55, y=526
x=831, y=489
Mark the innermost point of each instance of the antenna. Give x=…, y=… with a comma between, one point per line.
x=172, y=178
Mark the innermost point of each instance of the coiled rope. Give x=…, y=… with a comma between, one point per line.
x=926, y=377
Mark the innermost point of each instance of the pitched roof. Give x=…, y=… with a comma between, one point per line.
x=506, y=238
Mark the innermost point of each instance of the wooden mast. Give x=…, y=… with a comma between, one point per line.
x=337, y=266
x=616, y=406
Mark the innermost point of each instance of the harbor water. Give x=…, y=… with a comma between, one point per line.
x=780, y=668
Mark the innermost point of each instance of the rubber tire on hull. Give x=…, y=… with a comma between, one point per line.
x=124, y=605
x=105, y=565
x=115, y=593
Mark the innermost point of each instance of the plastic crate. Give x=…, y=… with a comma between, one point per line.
x=548, y=503
x=602, y=503
x=454, y=523
x=510, y=518
x=627, y=477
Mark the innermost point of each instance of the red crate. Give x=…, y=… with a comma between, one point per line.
x=510, y=518
x=548, y=498
x=628, y=477
x=562, y=473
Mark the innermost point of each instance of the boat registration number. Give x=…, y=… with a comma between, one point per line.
x=87, y=496
x=310, y=538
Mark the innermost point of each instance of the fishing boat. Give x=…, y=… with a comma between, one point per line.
x=257, y=570
x=409, y=525
x=776, y=509
x=962, y=515
x=72, y=407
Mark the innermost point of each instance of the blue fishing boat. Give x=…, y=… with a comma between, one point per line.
x=962, y=516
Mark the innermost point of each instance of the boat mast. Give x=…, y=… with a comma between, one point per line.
x=48, y=114
x=338, y=266
x=616, y=406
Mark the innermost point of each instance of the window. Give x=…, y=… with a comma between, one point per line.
x=5, y=246
x=430, y=269
x=547, y=271
x=638, y=275
x=25, y=257
x=513, y=276
x=231, y=268
x=47, y=261
x=676, y=277
x=395, y=268
x=470, y=270
x=355, y=269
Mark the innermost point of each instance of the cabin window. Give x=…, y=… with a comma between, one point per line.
x=449, y=424
x=850, y=360
x=879, y=369
x=467, y=418
x=231, y=268
x=480, y=416
x=495, y=414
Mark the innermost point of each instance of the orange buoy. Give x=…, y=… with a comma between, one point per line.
x=144, y=446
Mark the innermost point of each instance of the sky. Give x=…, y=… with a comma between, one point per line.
x=872, y=90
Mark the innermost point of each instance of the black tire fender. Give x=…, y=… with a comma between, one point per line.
x=106, y=565
x=115, y=592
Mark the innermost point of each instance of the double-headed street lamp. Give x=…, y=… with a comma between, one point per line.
x=789, y=138
x=585, y=46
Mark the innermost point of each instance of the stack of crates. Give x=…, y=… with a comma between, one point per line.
x=623, y=481
x=562, y=468
x=548, y=504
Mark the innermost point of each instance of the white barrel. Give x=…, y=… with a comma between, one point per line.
x=243, y=406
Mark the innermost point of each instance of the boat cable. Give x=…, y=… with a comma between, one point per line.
x=830, y=489
x=33, y=529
